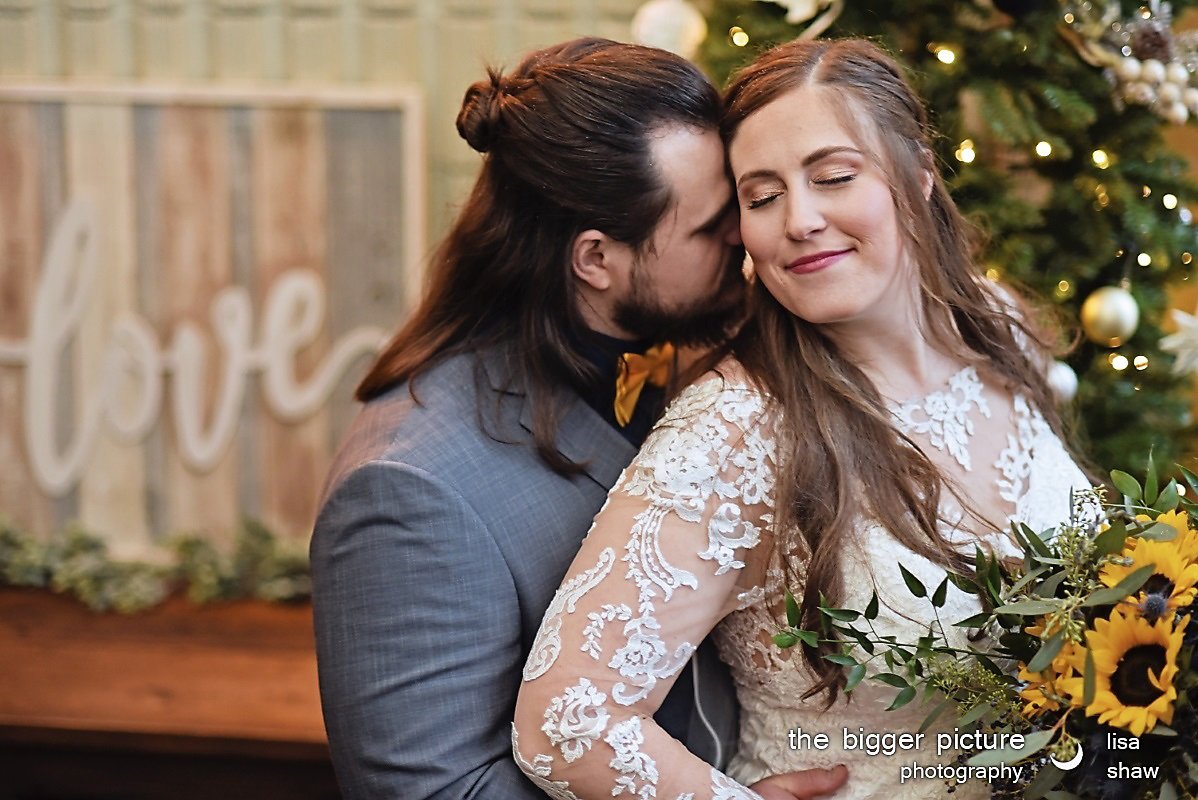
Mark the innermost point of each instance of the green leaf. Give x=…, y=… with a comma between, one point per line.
x=1122, y=589
x=976, y=621
x=1168, y=498
x=914, y=585
x=1032, y=744
x=840, y=614
x=785, y=640
x=809, y=638
x=1047, y=777
x=941, y=594
x=1191, y=478
x=1162, y=729
x=871, y=610
x=792, y=611
x=1036, y=542
x=841, y=659
x=934, y=714
x=890, y=679
x=902, y=698
x=1167, y=792
x=974, y=714
x=1159, y=532
x=1129, y=486
x=1047, y=653
x=965, y=584
x=1028, y=607
x=855, y=676
x=1028, y=578
x=1089, y=678
x=1150, y=482
x=1050, y=585
x=1111, y=540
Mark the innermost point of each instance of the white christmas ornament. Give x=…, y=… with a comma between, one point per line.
x=1128, y=69
x=799, y=10
x=1139, y=93
x=1183, y=344
x=1190, y=98
x=673, y=25
x=1062, y=380
x=1176, y=113
x=1169, y=93
x=1152, y=71
x=1177, y=73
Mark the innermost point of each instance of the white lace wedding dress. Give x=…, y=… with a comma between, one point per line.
x=685, y=543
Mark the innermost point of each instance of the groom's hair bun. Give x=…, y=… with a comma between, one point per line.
x=480, y=120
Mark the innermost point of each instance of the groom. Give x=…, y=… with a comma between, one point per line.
x=601, y=226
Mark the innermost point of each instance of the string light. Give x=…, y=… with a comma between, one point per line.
x=1146, y=192
x=1181, y=490
x=1100, y=194
x=1069, y=18
x=1118, y=362
x=1144, y=260
x=993, y=274
x=965, y=152
x=1186, y=258
x=1141, y=363
x=1101, y=159
x=1043, y=149
x=946, y=55
x=1169, y=201
x=738, y=36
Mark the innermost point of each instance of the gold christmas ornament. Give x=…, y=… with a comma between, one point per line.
x=1110, y=316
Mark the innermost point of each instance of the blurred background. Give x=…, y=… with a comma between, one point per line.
x=213, y=211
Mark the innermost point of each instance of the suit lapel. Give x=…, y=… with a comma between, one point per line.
x=583, y=436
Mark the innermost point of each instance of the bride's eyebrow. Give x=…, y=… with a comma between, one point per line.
x=813, y=157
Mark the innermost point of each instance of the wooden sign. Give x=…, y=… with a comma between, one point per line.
x=190, y=285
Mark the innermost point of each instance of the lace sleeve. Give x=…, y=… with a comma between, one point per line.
x=656, y=572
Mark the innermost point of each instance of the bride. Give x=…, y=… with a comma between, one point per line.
x=884, y=404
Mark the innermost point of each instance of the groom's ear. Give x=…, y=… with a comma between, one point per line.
x=599, y=261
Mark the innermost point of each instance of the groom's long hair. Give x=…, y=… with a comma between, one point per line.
x=566, y=138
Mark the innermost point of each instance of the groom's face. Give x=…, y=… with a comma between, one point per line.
x=686, y=285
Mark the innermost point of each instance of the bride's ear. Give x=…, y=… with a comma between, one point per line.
x=927, y=178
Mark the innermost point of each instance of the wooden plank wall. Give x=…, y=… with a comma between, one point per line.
x=195, y=198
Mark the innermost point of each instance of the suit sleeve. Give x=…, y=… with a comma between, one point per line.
x=418, y=641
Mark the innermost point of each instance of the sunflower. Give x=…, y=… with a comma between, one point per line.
x=1135, y=663
x=1043, y=690
x=1187, y=538
x=1176, y=575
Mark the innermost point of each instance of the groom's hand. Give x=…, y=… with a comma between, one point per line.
x=804, y=785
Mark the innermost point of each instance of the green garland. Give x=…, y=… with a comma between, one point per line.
x=77, y=563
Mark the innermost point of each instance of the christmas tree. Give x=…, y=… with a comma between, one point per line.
x=1051, y=118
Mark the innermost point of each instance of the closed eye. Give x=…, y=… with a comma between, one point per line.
x=758, y=202
x=839, y=179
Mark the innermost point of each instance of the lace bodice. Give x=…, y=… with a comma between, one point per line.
x=685, y=543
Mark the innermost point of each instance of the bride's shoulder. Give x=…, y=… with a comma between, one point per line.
x=726, y=391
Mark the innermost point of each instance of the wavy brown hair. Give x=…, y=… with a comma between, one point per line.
x=839, y=451
x=566, y=137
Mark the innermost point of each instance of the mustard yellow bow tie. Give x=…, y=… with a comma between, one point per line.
x=635, y=369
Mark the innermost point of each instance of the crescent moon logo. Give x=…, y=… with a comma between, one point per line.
x=1071, y=763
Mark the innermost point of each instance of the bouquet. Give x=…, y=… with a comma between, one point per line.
x=1081, y=664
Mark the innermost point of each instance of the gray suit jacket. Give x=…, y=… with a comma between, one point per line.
x=436, y=552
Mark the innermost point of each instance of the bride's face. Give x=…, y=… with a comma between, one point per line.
x=817, y=214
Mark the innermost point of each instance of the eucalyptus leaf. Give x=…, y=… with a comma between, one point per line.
x=1028, y=578
x=1122, y=589
x=841, y=659
x=1162, y=730
x=1028, y=607
x=934, y=714
x=1047, y=653
x=976, y=621
x=1089, y=678
x=1190, y=477
x=1050, y=585
x=1158, y=532
x=1167, y=792
x=1150, y=482
x=1127, y=485
x=1032, y=743
x=1168, y=498
x=1111, y=540
x=809, y=638
x=974, y=714
x=1047, y=777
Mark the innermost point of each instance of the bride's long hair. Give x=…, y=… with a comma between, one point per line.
x=840, y=455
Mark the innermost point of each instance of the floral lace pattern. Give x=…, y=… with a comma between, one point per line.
x=692, y=516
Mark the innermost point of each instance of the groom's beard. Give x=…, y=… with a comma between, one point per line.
x=706, y=321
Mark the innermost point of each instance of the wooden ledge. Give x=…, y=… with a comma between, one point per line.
x=243, y=670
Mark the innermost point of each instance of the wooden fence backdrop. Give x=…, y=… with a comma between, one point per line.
x=190, y=284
